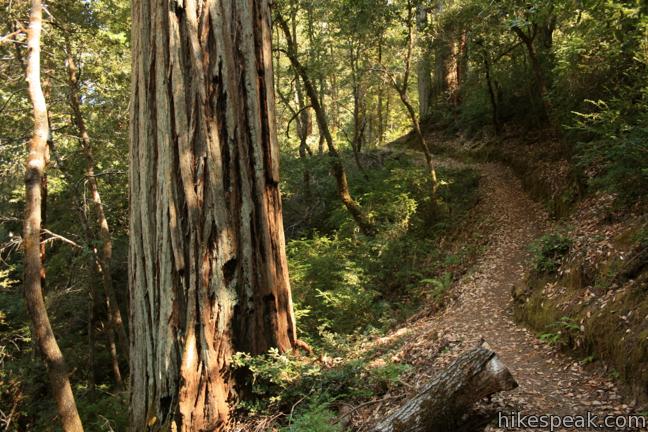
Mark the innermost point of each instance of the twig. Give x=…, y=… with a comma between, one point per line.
x=292, y=410
x=54, y=236
x=5, y=38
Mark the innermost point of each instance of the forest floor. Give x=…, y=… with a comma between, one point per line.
x=550, y=382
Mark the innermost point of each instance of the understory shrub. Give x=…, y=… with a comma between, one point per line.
x=548, y=250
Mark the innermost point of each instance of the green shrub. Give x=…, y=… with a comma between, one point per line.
x=614, y=158
x=547, y=252
x=440, y=285
x=386, y=377
x=316, y=417
x=274, y=379
x=561, y=332
x=329, y=285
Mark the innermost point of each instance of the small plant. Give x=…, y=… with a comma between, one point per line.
x=587, y=360
x=385, y=377
x=440, y=285
x=548, y=250
x=565, y=328
x=552, y=338
x=316, y=417
x=273, y=378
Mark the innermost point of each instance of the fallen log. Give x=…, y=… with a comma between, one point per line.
x=440, y=405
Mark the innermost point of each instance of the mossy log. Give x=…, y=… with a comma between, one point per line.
x=439, y=406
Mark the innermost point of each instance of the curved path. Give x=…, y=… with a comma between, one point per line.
x=550, y=381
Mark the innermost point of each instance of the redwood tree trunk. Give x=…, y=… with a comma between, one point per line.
x=48, y=347
x=207, y=265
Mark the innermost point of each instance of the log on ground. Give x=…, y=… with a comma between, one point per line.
x=441, y=403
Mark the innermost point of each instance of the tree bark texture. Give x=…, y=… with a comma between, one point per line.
x=207, y=266
x=35, y=170
x=438, y=407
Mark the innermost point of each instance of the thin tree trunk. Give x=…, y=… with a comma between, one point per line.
x=491, y=95
x=420, y=140
x=381, y=115
x=92, y=294
x=336, y=163
x=401, y=89
x=208, y=274
x=320, y=78
x=540, y=88
x=93, y=267
x=424, y=73
x=359, y=113
x=112, y=349
x=303, y=119
x=322, y=138
x=105, y=252
x=50, y=351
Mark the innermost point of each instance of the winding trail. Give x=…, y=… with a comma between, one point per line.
x=550, y=382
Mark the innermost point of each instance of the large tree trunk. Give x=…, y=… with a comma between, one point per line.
x=104, y=255
x=48, y=347
x=207, y=265
x=439, y=406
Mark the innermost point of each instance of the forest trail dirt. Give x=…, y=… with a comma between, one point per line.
x=550, y=382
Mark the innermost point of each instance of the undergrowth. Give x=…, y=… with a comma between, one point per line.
x=348, y=288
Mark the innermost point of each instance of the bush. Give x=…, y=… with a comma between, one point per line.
x=615, y=158
x=547, y=252
x=316, y=417
x=329, y=284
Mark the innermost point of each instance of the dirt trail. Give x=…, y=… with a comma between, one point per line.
x=550, y=382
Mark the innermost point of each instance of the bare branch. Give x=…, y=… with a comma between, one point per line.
x=53, y=236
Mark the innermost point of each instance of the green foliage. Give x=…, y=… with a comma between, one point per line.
x=107, y=413
x=307, y=389
x=343, y=282
x=439, y=285
x=384, y=378
x=316, y=417
x=324, y=275
x=273, y=378
x=614, y=158
x=548, y=250
x=561, y=331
